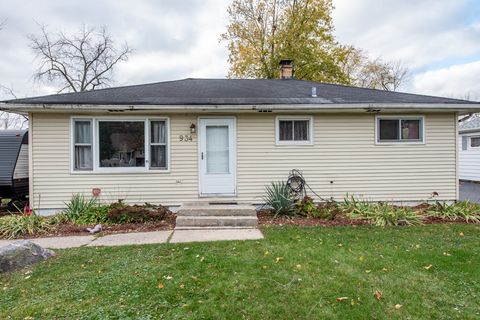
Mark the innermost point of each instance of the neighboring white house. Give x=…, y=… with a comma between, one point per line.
x=226, y=139
x=469, y=155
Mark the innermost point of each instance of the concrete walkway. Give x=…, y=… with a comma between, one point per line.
x=121, y=239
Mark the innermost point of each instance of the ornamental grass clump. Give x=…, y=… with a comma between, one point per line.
x=15, y=226
x=462, y=210
x=380, y=214
x=279, y=198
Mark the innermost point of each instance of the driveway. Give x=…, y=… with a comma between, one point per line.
x=470, y=191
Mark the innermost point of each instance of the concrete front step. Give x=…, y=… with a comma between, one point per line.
x=200, y=209
x=216, y=221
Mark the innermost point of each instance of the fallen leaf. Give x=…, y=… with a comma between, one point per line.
x=361, y=258
x=266, y=253
x=298, y=266
x=202, y=258
x=447, y=254
x=340, y=245
x=427, y=267
x=398, y=306
x=168, y=277
x=385, y=269
x=352, y=302
x=340, y=299
x=368, y=271
x=161, y=286
x=182, y=286
x=279, y=259
x=461, y=234
x=378, y=294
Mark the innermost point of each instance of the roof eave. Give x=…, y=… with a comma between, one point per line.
x=454, y=107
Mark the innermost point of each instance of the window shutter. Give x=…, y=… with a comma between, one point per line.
x=464, y=142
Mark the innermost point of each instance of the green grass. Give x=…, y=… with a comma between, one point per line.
x=295, y=273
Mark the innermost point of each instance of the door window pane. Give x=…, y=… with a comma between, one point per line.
x=388, y=129
x=122, y=143
x=218, y=152
x=411, y=130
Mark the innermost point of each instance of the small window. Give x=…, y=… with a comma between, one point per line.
x=294, y=131
x=399, y=129
x=475, y=142
x=158, y=144
x=83, y=144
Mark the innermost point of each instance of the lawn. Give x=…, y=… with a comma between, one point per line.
x=429, y=272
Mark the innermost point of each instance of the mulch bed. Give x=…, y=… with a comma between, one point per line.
x=69, y=229
x=266, y=218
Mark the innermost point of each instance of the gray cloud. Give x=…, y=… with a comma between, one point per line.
x=178, y=39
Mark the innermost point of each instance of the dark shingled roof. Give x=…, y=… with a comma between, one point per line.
x=234, y=92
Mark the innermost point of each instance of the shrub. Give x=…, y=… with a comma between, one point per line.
x=15, y=226
x=279, y=197
x=94, y=215
x=78, y=206
x=463, y=210
x=121, y=213
x=327, y=210
x=380, y=214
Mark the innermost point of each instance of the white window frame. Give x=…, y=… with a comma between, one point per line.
x=308, y=142
x=470, y=142
x=74, y=144
x=96, y=146
x=397, y=117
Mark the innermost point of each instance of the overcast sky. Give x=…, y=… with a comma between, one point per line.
x=175, y=39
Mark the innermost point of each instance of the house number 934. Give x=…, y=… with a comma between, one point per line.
x=185, y=138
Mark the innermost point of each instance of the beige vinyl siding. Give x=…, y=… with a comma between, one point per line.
x=344, y=152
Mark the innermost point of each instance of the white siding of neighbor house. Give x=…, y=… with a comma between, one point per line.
x=469, y=159
x=343, y=159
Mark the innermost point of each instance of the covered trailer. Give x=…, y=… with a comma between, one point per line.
x=14, y=164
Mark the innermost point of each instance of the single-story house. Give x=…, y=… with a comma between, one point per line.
x=226, y=139
x=469, y=153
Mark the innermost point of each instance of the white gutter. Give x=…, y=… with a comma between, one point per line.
x=461, y=108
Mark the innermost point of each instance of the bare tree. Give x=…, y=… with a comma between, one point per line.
x=372, y=73
x=78, y=62
x=10, y=120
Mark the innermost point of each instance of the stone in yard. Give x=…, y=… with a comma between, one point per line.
x=21, y=254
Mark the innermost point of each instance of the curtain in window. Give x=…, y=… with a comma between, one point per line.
x=158, y=148
x=286, y=130
x=83, y=157
x=410, y=130
x=300, y=132
x=83, y=145
x=83, y=132
x=157, y=131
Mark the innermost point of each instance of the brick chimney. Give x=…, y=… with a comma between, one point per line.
x=286, y=69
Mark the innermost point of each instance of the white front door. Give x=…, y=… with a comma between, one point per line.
x=217, y=156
